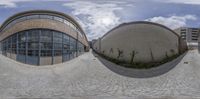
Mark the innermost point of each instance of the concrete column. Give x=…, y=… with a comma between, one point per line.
x=39, y=51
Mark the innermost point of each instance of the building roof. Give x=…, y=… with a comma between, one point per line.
x=140, y=22
x=25, y=13
x=30, y=12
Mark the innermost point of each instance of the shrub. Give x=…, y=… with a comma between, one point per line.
x=138, y=65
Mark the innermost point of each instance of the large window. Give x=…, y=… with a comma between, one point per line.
x=33, y=36
x=46, y=44
x=66, y=44
x=33, y=52
x=32, y=17
x=22, y=37
x=22, y=45
x=21, y=52
x=80, y=48
x=9, y=47
x=31, y=45
x=46, y=53
x=3, y=45
x=14, y=44
x=58, y=19
x=46, y=17
x=57, y=37
x=46, y=36
x=57, y=42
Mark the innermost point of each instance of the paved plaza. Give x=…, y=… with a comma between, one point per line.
x=90, y=76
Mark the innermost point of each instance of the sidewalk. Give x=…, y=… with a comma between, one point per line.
x=87, y=77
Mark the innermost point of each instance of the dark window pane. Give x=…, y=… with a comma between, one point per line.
x=33, y=52
x=58, y=40
x=65, y=39
x=66, y=51
x=14, y=51
x=57, y=52
x=45, y=53
x=57, y=37
x=33, y=35
x=14, y=45
x=46, y=36
x=21, y=37
x=33, y=45
x=22, y=52
x=9, y=43
x=66, y=46
x=58, y=46
x=4, y=45
x=14, y=38
x=22, y=45
x=72, y=44
x=46, y=45
x=80, y=47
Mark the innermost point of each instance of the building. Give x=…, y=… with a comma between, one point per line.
x=190, y=35
x=140, y=41
x=92, y=43
x=42, y=37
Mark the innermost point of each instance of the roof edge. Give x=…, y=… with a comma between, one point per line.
x=139, y=22
x=43, y=11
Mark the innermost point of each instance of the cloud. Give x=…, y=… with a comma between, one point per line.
x=97, y=17
x=194, y=2
x=7, y=3
x=12, y=3
x=173, y=22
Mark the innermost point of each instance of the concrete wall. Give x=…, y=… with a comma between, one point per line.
x=150, y=42
x=96, y=45
x=57, y=59
x=46, y=60
x=13, y=56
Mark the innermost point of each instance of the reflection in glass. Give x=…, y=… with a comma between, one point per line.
x=39, y=45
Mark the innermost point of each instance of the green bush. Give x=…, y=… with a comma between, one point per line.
x=139, y=65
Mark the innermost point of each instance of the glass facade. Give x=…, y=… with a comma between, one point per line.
x=41, y=47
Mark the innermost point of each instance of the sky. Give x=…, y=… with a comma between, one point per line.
x=97, y=17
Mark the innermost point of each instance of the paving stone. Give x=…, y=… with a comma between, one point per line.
x=87, y=77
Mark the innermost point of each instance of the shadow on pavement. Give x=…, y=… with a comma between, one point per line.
x=140, y=73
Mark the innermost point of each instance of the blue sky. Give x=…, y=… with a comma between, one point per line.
x=98, y=17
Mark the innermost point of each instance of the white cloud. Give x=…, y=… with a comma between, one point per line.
x=173, y=22
x=194, y=2
x=7, y=3
x=12, y=3
x=97, y=18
